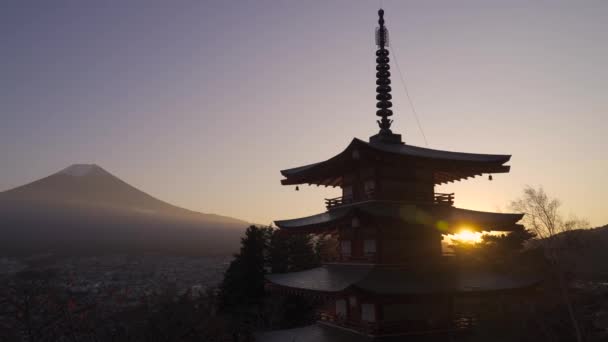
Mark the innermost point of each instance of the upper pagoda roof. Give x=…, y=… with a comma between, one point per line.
x=446, y=166
x=446, y=218
x=400, y=280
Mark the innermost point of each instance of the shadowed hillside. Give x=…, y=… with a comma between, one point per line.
x=85, y=209
x=586, y=252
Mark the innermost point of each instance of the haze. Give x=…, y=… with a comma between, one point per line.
x=202, y=103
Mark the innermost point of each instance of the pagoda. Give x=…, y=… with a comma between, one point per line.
x=389, y=277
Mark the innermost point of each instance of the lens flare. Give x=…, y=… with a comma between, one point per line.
x=467, y=235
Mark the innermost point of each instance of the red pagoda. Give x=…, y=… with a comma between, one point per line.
x=390, y=278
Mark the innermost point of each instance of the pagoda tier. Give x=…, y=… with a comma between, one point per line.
x=444, y=219
x=396, y=161
x=381, y=301
x=386, y=232
x=421, y=278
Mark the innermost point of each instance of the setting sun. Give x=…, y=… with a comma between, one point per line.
x=467, y=236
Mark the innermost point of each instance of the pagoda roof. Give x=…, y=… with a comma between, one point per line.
x=447, y=166
x=402, y=280
x=446, y=218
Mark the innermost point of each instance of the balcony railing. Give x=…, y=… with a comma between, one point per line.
x=338, y=201
x=439, y=198
x=421, y=198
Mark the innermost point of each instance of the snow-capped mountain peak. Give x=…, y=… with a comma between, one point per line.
x=79, y=170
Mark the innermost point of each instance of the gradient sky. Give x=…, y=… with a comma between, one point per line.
x=202, y=103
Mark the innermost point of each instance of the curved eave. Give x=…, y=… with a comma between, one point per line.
x=304, y=174
x=445, y=218
x=482, y=220
x=455, y=165
x=395, y=280
x=328, y=279
x=391, y=281
x=314, y=223
x=428, y=153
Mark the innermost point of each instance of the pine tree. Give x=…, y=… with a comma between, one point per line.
x=302, y=255
x=243, y=282
x=242, y=294
x=291, y=253
x=278, y=254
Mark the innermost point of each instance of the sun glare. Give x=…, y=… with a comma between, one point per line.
x=467, y=236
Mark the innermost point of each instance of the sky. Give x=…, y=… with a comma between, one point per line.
x=202, y=103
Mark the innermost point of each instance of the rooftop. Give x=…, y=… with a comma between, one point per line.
x=403, y=280
x=447, y=218
x=446, y=166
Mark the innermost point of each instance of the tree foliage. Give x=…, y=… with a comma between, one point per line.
x=263, y=249
x=492, y=247
x=243, y=282
x=292, y=253
x=543, y=215
x=544, y=218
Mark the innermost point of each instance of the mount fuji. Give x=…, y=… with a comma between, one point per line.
x=85, y=209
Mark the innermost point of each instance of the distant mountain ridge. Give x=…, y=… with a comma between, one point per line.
x=587, y=252
x=84, y=207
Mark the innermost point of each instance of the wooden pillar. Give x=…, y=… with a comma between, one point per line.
x=379, y=239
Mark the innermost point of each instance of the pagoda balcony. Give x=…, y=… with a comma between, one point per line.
x=420, y=198
x=344, y=200
x=442, y=198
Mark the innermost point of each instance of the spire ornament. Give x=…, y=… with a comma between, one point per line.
x=383, y=77
x=383, y=87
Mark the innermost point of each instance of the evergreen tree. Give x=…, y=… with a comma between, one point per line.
x=243, y=282
x=291, y=253
x=242, y=294
x=493, y=248
x=326, y=248
x=278, y=254
x=508, y=243
x=302, y=255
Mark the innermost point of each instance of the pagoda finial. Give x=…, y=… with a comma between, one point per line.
x=383, y=77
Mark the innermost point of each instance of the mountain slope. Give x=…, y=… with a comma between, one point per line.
x=585, y=252
x=84, y=208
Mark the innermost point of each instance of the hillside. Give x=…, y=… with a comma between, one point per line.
x=85, y=209
x=586, y=252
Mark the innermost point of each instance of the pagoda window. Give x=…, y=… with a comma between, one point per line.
x=369, y=187
x=341, y=308
x=352, y=301
x=369, y=247
x=368, y=312
x=345, y=247
x=347, y=191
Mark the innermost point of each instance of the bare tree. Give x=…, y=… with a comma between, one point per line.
x=543, y=217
